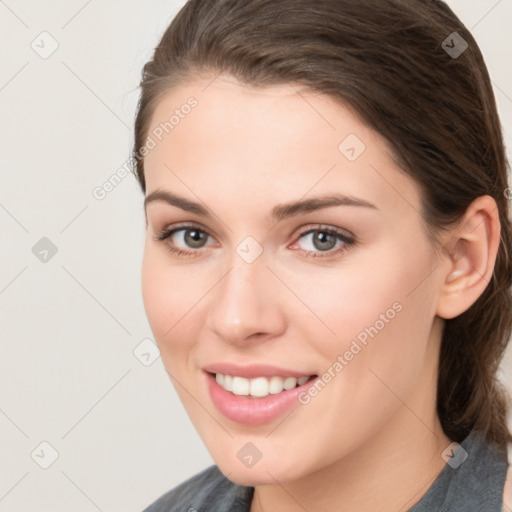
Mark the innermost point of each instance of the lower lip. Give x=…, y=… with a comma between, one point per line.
x=254, y=411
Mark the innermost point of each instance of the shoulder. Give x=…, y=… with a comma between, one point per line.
x=207, y=490
x=507, y=492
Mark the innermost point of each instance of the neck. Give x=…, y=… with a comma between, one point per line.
x=384, y=476
x=390, y=471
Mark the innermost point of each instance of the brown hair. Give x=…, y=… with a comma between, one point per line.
x=393, y=61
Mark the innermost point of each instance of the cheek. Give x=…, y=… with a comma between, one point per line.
x=171, y=301
x=383, y=328
x=379, y=310
x=347, y=301
x=154, y=292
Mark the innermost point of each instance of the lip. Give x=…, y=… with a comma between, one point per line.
x=253, y=370
x=251, y=410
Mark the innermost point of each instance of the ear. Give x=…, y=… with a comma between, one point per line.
x=469, y=257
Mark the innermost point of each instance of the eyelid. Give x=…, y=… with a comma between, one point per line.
x=169, y=230
x=303, y=230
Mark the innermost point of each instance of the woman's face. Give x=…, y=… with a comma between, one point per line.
x=280, y=276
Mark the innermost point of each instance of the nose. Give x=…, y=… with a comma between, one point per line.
x=245, y=305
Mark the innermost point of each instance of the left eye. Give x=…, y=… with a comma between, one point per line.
x=323, y=240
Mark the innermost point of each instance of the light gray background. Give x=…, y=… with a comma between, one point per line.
x=69, y=326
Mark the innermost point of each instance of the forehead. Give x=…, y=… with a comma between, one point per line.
x=244, y=116
x=280, y=139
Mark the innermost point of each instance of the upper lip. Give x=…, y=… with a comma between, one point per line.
x=253, y=370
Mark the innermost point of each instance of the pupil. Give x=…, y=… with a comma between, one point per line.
x=324, y=241
x=194, y=238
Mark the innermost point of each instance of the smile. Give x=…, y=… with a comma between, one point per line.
x=259, y=386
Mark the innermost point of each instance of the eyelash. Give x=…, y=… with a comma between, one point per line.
x=163, y=235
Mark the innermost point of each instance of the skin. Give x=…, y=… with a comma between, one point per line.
x=371, y=439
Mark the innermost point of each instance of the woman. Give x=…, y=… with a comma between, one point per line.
x=327, y=263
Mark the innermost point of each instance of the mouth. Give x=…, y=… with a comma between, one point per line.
x=256, y=400
x=257, y=393
x=259, y=387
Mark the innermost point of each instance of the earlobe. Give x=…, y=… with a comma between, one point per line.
x=470, y=258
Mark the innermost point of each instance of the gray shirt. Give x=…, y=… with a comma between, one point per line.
x=472, y=484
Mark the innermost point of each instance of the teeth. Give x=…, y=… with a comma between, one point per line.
x=258, y=387
x=289, y=383
x=275, y=385
x=240, y=386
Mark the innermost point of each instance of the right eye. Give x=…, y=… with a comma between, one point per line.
x=183, y=240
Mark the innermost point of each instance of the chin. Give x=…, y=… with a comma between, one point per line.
x=250, y=477
x=261, y=473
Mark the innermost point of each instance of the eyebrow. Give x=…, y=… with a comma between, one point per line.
x=279, y=212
